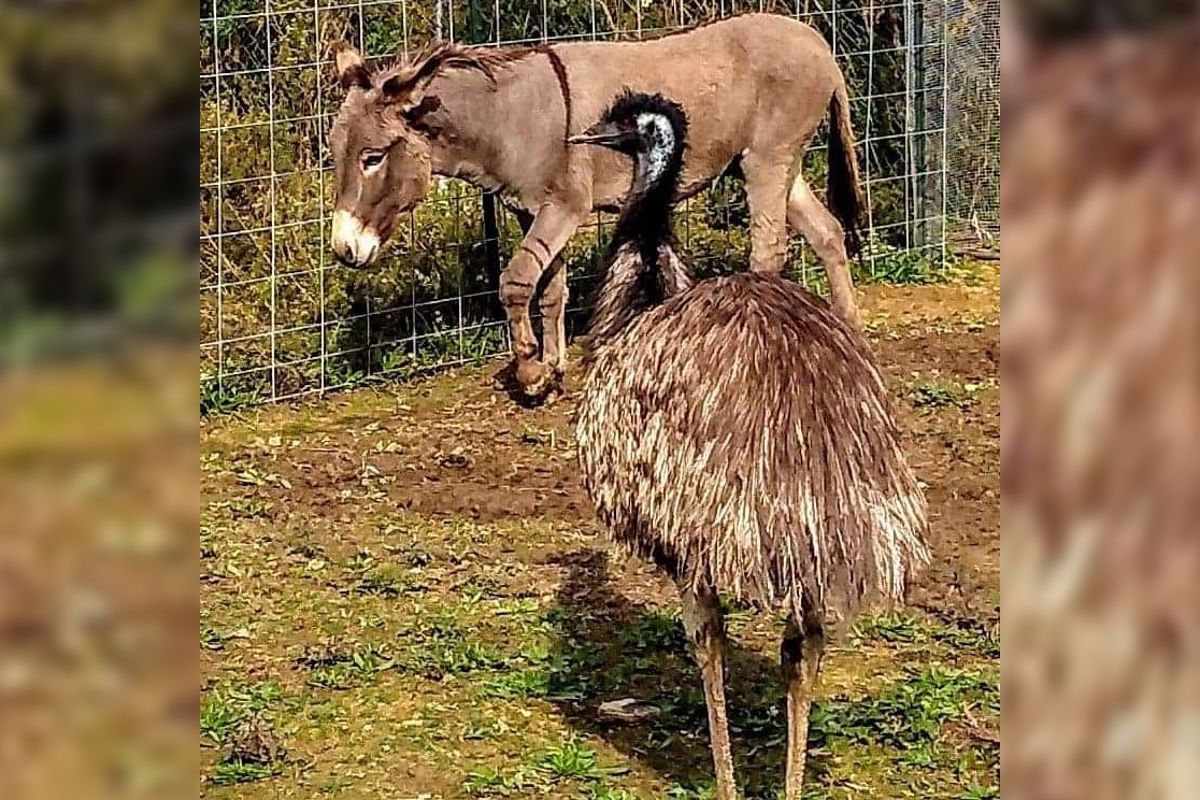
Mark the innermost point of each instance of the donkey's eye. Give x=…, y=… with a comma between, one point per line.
x=372, y=159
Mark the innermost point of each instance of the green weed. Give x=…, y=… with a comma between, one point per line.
x=935, y=392
x=236, y=770
x=910, y=713
x=222, y=709
x=574, y=760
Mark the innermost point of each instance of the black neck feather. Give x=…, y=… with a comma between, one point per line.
x=646, y=217
x=641, y=271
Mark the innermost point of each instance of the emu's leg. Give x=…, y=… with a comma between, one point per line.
x=766, y=194
x=551, y=230
x=800, y=657
x=706, y=631
x=825, y=235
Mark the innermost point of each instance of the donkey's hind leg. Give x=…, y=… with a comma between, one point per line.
x=800, y=656
x=825, y=235
x=767, y=195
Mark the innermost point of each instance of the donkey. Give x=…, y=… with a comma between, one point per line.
x=756, y=88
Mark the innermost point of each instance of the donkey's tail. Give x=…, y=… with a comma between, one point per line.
x=843, y=191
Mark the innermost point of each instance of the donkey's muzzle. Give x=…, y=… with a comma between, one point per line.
x=354, y=244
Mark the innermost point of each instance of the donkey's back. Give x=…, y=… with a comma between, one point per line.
x=758, y=82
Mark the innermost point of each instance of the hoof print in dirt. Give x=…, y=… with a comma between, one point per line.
x=456, y=460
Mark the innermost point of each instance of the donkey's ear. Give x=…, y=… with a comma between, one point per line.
x=397, y=89
x=352, y=71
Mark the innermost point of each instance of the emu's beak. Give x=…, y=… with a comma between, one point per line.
x=606, y=134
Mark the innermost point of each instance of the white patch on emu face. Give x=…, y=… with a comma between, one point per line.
x=662, y=143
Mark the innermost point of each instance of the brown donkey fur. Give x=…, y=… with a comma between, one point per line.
x=756, y=88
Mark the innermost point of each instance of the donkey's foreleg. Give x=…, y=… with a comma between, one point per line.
x=553, y=303
x=550, y=232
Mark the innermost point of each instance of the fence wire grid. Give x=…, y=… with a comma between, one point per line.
x=281, y=318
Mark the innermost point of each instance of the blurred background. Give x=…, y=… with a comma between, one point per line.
x=98, y=426
x=1101, y=558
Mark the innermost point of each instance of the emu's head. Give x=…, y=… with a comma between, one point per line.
x=641, y=269
x=380, y=142
x=650, y=128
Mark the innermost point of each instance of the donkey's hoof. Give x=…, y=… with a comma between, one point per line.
x=534, y=377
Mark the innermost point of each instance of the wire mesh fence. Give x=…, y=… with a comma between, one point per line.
x=973, y=116
x=281, y=318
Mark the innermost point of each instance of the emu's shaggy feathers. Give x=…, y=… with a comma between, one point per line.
x=740, y=435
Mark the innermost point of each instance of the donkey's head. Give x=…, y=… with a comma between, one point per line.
x=380, y=142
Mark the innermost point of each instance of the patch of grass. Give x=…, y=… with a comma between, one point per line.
x=960, y=636
x=384, y=582
x=439, y=646
x=222, y=709
x=370, y=577
x=489, y=782
x=603, y=792
x=532, y=682
x=655, y=632
x=549, y=773
x=225, y=397
x=934, y=392
x=332, y=668
x=574, y=760
x=703, y=791
x=249, y=507
x=893, y=628
x=218, y=717
x=908, y=716
x=478, y=588
x=236, y=770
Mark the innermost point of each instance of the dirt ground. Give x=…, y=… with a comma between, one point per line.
x=405, y=595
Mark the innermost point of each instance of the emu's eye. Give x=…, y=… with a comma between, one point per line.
x=372, y=159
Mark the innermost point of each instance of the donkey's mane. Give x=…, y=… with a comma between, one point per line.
x=488, y=59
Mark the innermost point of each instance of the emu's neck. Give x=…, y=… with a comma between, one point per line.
x=645, y=221
x=630, y=289
x=643, y=270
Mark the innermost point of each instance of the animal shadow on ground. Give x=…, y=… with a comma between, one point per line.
x=611, y=648
x=505, y=380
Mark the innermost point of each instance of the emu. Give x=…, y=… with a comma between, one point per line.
x=737, y=433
